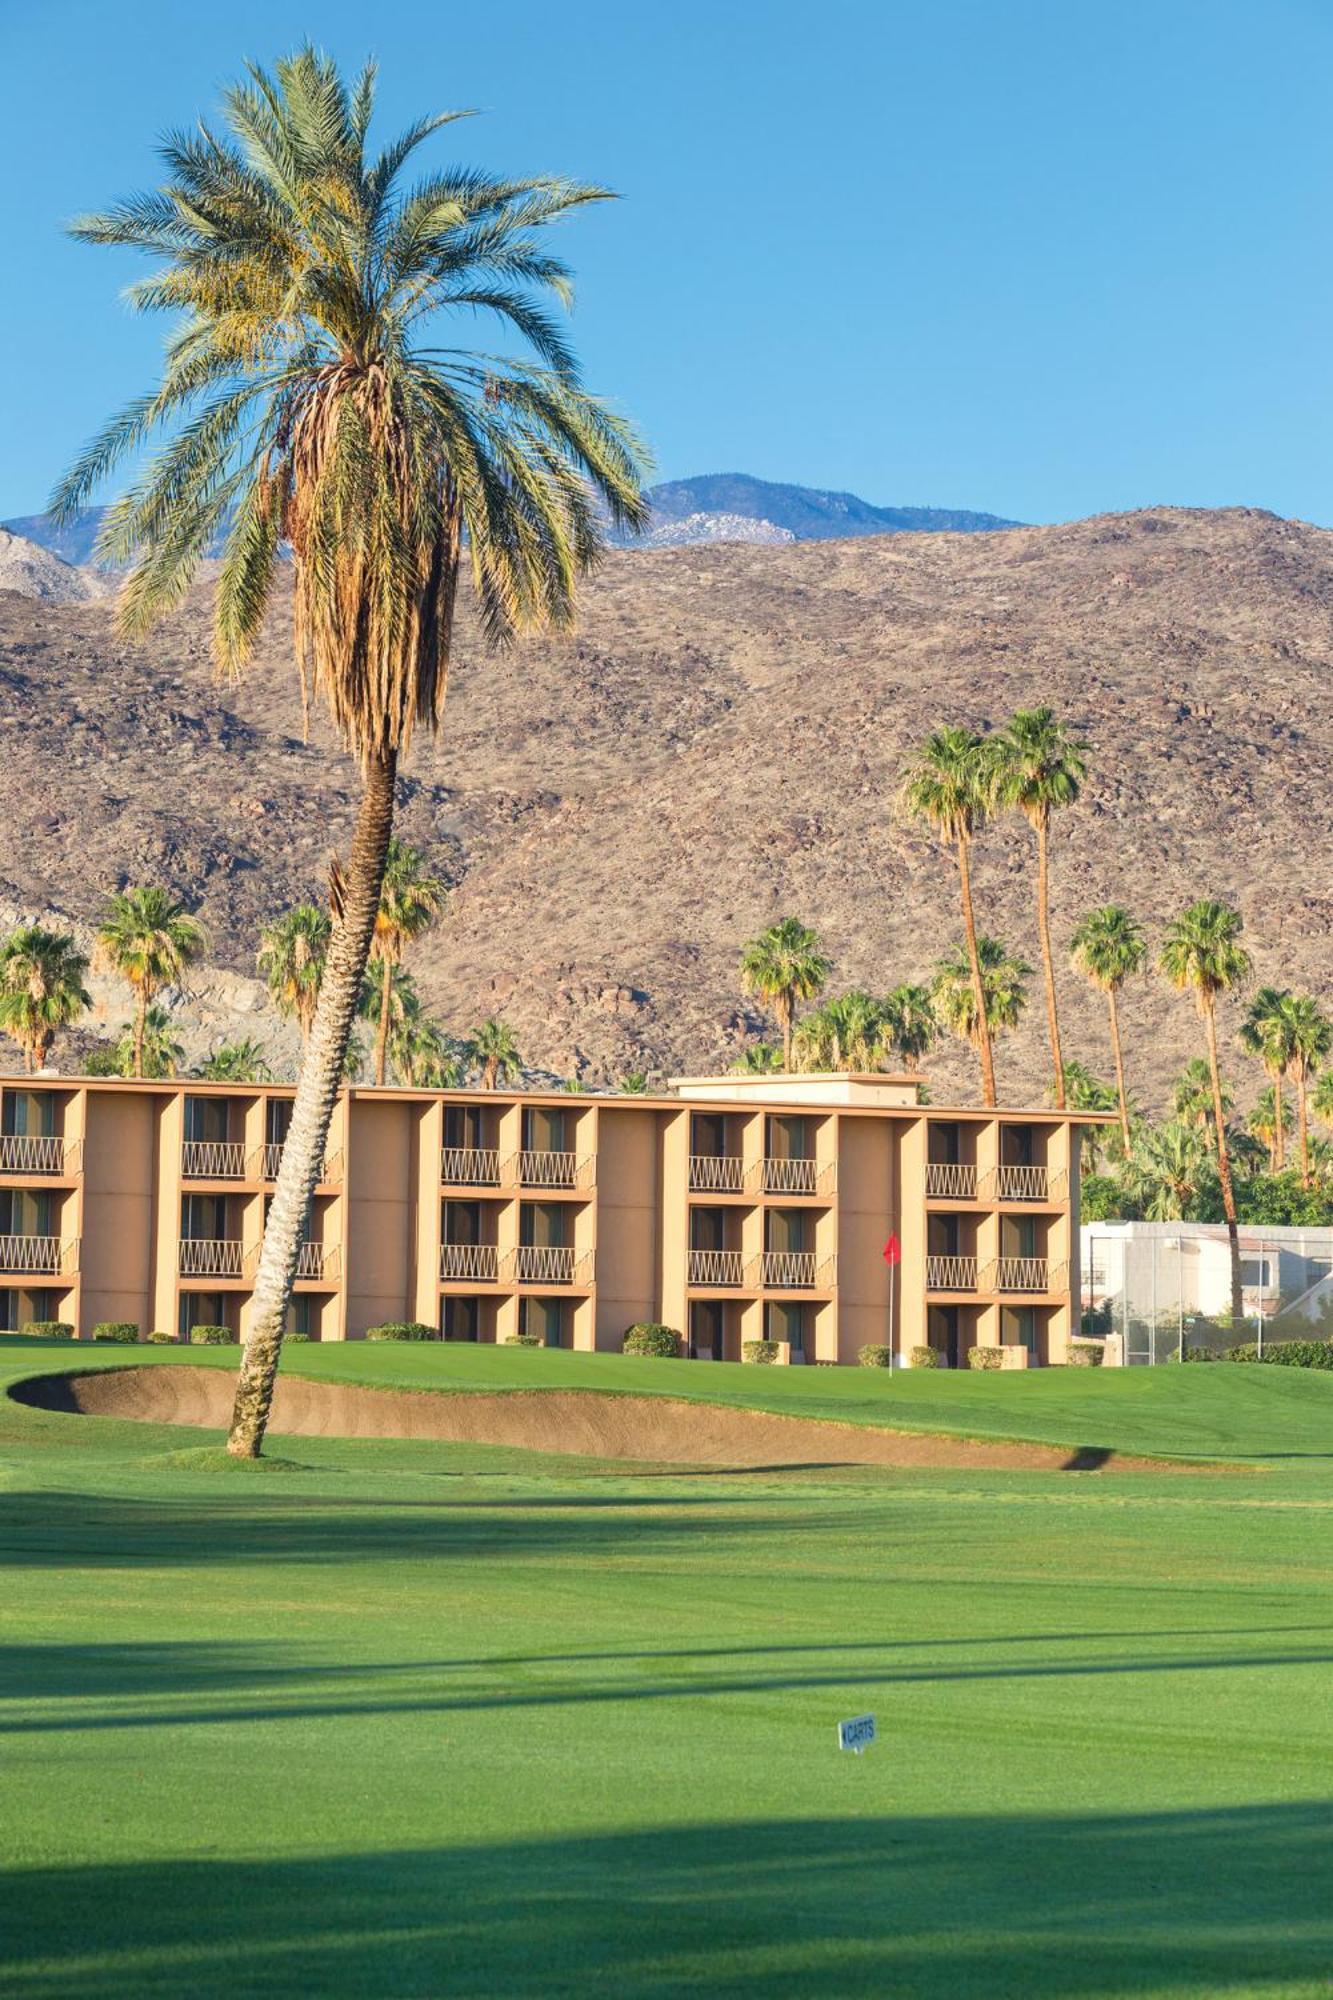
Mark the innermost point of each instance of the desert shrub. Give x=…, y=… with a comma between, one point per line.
x=927, y=1357
x=526, y=1340
x=874, y=1355
x=123, y=1331
x=649, y=1336
x=1085, y=1353
x=160, y=1339
x=48, y=1329
x=759, y=1350
x=211, y=1336
x=402, y=1329
x=1288, y=1353
x=985, y=1357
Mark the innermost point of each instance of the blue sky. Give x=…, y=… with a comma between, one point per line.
x=1044, y=259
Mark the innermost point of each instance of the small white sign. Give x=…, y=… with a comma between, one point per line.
x=856, y=1734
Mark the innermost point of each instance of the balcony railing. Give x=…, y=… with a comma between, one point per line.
x=796, y=1270
x=551, y=1170
x=210, y=1257
x=547, y=1264
x=798, y=1176
x=1018, y=1184
x=38, y=1256
x=476, y=1263
x=319, y=1260
x=37, y=1153
x=948, y=1180
x=717, y=1173
x=470, y=1166
x=721, y=1267
x=1024, y=1274
x=213, y=1160
x=265, y=1161
x=951, y=1274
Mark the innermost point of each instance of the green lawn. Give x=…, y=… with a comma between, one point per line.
x=411, y=1719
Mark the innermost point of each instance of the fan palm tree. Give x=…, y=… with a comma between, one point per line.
x=1086, y=1092
x=783, y=966
x=1169, y=1168
x=1202, y=954
x=1040, y=767
x=1321, y=1103
x=310, y=406
x=390, y=1002
x=845, y=1033
x=1192, y=1095
x=1270, y=1121
x=909, y=1026
x=1309, y=1037
x=763, y=1059
x=634, y=1083
x=236, y=1062
x=149, y=939
x=146, y=1047
x=410, y=901
x=424, y=1057
x=951, y=787
x=41, y=989
x=493, y=1049
x=1109, y=948
x=292, y=951
x=1266, y=1033
x=1004, y=993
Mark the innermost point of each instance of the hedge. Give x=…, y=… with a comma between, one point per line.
x=211, y=1336
x=160, y=1339
x=1085, y=1353
x=985, y=1357
x=526, y=1340
x=649, y=1336
x=48, y=1329
x=873, y=1355
x=759, y=1350
x=123, y=1331
x=288, y=1338
x=927, y=1357
x=1288, y=1353
x=402, y=1329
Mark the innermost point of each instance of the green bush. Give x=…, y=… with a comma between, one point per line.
x=48, y=1329
x=874, y=1355
x=160, y=1339
x=211, y=1336
x=985, y=1357
x=1288, y=1353
x=288, y=1338
x=759, y=1350
x=402, y=1329
x=1085, y=1353
x=649, y=1336
x=1096, y=1321
x=927, y=1357
x=123, y=1331
x=525, y=1340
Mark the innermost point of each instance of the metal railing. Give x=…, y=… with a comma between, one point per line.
x=719, y=1267
x=211, y=1257
x=948, y=1180
x=547, y=1264
x=318, y=1260
x=213, y=1160
x=717, y=1173
x=789, y=1270
x=265, y=1161
x=470, y=1166
x=478, y=1263
x=1023, y=1274
x=36, y=1153
x=798, y=1176
x=551, y=1170
x=1017, y=1184
x=951, y=1274
x=38, y=1256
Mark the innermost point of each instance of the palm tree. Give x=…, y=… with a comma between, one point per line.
x=392, y=1003
x=493, y=1049
x=146, y=1047
x=1202, y=954
x=1270, y=1121
x=1308, y=1038
x=245, y=1061
x=845, y=1033
x=1322, y=1101
x=761, y=1059
x=1168, y=1169
x=909, y=1026
x=1040, y=767
x=292, y=951
x=410, y=900
x=1192, y=1095
x=1086, y=1092
x=634, y=1083
x=41, y=989
x=149, y=939
x=783, y=966
x=1109, y=948
x=951, y=787
x=1265, y=1033
x=312, y=408
x=1004, y=994
x=424, y=1057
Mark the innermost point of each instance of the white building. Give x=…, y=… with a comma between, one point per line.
x=1156, y=1283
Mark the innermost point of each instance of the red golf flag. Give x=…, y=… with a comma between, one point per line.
x=893, y=1249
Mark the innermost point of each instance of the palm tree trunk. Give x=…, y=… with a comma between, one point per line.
x=1302, y=1125
x=316, y=1094
x=785, y=1012
x=1119, y=1055
x=1047, y=963
x=382, y=1032
x=978, y=985
x=1279, y=1140
x=1224, y=1161
x=140, y=1023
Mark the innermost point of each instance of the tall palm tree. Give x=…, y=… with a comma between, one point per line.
x=314, y=404
x=149, y=939
x=1109, y=948
x=410, y=901
x=1309, y=1037
x=41, y=989
x=845, y=1033
x=1003, y=988
x=1269, y=1122
x=951, y=786
x=1266, y=1033
x=292, y=951
x=909, y=1025
x=1202, y=954
x=245, y=1061
x=493, y=1049
x=1040, y=767
x=783, y=966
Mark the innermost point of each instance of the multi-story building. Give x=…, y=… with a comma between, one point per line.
x=735, y=1209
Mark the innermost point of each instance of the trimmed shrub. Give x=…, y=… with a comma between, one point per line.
x=927, y=1357
x=648, y=1336
x=160, y=1339
x=759, y=1350
x=402, y=1329
x=525, y=1340
x=48, y=1329
x=1085, y=1353
x=123, y=1331
x=211, y=1336
x=1288, y=1353
x=873, y=1355
x=985, y=1357
x=288, y=1338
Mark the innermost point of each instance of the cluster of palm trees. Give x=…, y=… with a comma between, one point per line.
x=785, y=966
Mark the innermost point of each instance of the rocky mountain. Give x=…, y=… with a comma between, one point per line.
x=719, y=745
x=807, y=513
x=33, y=571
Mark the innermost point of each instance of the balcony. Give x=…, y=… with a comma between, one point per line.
x=470, y=1166
x=547, y=1264
x=266, y=1161
x=1025, y=1274
x=551, y=1170
x=213, y=1160
x=210, y=1257
x=720, y=1267
x=951, y=1274
x=796, y=1270
x=319, y=1261
x=717, y=1173
x=1026, y=1184
x=947, y=1180
x=38, y=1256
x=472, y=1263
x=24, y=1153
x=798, y=1176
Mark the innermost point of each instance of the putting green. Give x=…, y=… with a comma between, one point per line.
x=402, y=1717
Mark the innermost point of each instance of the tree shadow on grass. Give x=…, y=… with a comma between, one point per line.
x=954, y=1908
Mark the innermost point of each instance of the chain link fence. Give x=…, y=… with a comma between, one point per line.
x=1165, y=1288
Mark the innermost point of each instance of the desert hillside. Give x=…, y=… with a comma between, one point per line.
x=720, y=745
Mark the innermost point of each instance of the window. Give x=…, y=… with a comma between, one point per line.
x=203, y=1218
x=708, y=1135
x=942, y=1144
x=462, y=1222
x=547, y=1318
x=277, y=1120
x=206, y=1120
x=787, y=1138
x=27, y=1114
x=706, y=1330
x=299, y=1316
x=785, y=1320
x=787, y=1229
x=708, y=1229
x=544, y=1225
x=545, y=1129
x=201, y=1309
x=18, y=1305
x=25, y=1212
x=460, y=1319
x=462, y=1127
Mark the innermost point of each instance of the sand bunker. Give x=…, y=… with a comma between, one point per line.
x=579, y=1422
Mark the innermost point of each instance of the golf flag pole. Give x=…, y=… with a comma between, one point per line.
x=893, y=1256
